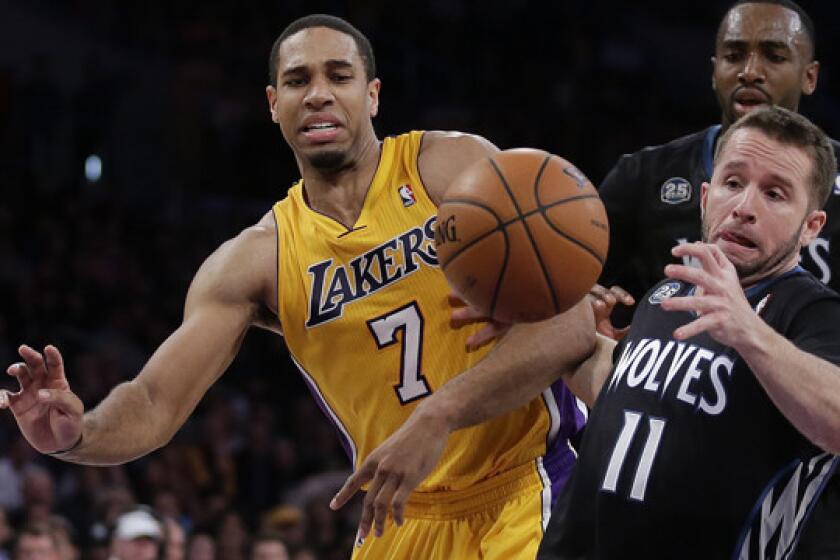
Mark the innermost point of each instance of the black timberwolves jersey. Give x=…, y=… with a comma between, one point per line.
x=684, y=455
x=652, y=199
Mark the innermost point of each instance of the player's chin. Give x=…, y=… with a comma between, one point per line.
x=327, y=158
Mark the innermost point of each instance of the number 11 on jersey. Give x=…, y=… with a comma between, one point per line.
x=640, y=479
x=408, y=321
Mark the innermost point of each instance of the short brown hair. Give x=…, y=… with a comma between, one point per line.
x=792, y=129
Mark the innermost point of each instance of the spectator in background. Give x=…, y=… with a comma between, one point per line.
x=138, y=535
x=202, y=546
x=268, y=545
x=37, y=542
x=63, y=534
x=38, y=495
x=176, y=540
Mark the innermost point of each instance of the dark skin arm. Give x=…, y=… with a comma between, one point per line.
x=234, y=289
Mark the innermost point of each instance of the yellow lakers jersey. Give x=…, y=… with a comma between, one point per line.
x=365, y=315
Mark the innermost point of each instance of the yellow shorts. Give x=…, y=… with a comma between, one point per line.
x=502, y=518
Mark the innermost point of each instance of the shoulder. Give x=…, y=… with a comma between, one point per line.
x=444, y=154
x=796, y=297
x=682, y=146
x=243, y=269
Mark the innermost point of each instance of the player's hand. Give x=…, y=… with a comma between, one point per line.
x=48, y=413
x=464, y=314
x=394, y=469
x=719, y=300
x=603, y=302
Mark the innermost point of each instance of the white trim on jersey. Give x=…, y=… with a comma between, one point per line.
x=546, y=493
x=583, y=409
x=333, y=416
x=554, y=415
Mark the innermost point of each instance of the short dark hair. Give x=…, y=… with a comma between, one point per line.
x=792, y=129
x=806, y=20
x=331, y=22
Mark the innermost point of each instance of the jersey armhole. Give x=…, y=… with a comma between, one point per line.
x=274, y=211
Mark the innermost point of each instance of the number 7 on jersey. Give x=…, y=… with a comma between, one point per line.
x=408, y=321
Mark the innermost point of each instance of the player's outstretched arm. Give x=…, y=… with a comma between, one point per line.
x=226, y=297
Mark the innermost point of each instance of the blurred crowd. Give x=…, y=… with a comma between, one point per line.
x=170, y=97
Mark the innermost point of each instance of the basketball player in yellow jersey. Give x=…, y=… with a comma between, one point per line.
x=345, y=268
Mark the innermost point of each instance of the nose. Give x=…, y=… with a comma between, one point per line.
x=753, y=70
x=744, y=210
x=319, y=94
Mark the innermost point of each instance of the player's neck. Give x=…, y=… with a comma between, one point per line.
x=341, y=194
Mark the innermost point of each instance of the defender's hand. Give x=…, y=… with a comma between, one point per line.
x=464, y=314
x=719, y=302
x=603, y=302
x=48, y=413
x=394, y=469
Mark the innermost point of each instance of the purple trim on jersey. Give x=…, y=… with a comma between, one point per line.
x=561, y=457
x=345, y=442
x=343, y=436
x=572, y=419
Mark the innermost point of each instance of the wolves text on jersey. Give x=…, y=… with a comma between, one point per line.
x=672, y=370
x=333, y=287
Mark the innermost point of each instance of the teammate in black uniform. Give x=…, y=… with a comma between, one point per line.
x=714, y=430
x=764, y=54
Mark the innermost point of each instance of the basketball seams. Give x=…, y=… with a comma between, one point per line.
x=528, y=232
x=543, y=210
x=477, y=239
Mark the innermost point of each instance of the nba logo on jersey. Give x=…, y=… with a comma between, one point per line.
x=664, y=292
x=837, y=185
x=407, y=195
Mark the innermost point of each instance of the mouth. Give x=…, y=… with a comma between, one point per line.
x=320, y=129
x=746, y=99
x=741, y=241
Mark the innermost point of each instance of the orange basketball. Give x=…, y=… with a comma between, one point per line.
x=522, y=236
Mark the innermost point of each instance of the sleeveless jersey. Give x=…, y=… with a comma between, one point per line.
x=365, y=315
x=685, y=455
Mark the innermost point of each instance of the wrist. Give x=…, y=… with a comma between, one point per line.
x=434, y=414
x=73, y=447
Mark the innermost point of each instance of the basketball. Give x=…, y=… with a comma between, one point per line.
x=521, y=236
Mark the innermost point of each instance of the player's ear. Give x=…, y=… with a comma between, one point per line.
x=373, y=96
x=809, y=77
x=271, y=95
x=812, y=226
x=704, y=193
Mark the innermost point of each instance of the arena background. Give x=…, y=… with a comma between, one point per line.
x=169, y=98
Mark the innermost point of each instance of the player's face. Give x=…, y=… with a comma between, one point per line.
x=322, y=100
x=757, y=207
x=762, y=57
